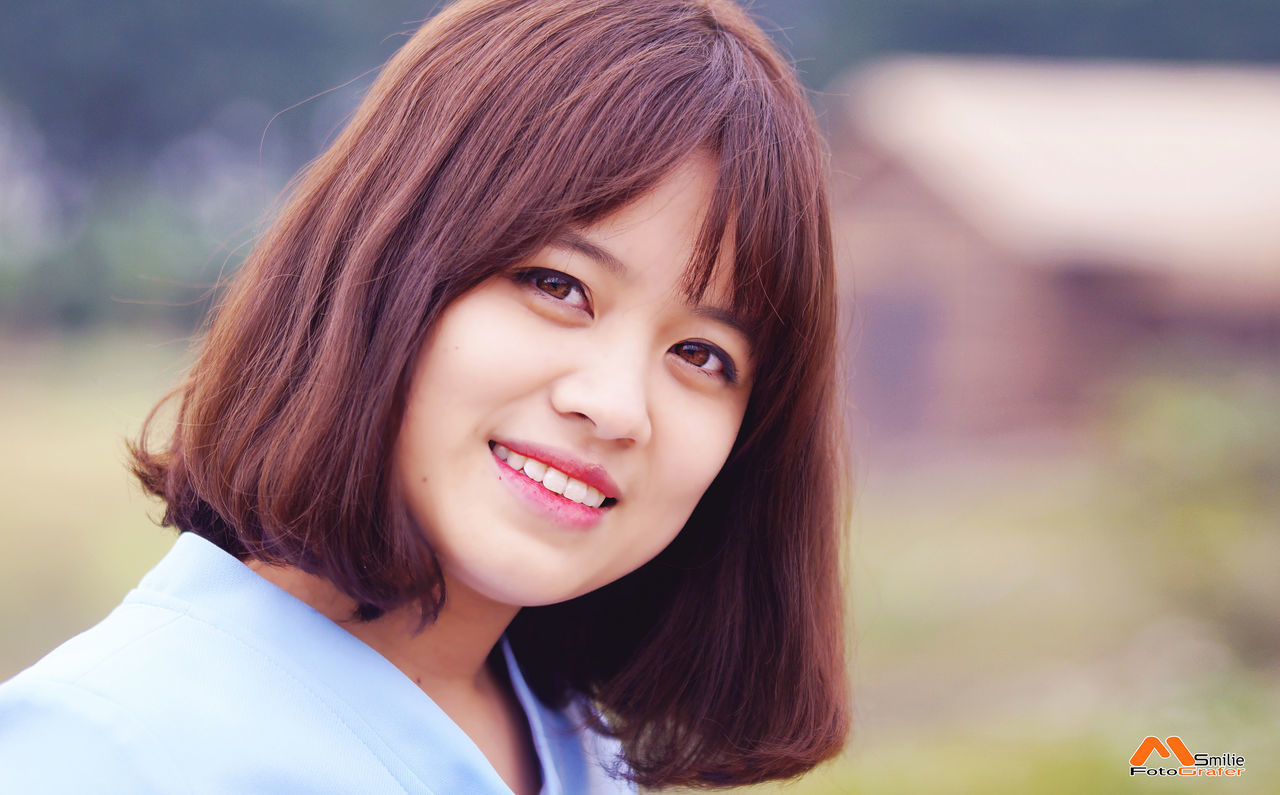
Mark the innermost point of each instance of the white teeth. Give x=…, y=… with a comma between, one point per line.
x=575, y=490
x=555, y=481
x=552, y=480
x=535, y=469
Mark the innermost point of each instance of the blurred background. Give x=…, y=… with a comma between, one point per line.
x=1059, y=233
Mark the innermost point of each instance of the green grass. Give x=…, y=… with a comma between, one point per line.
x=74, y=529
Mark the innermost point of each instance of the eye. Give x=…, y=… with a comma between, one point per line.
x=707, y=358
x=557, y=285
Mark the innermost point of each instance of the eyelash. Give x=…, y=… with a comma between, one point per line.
x=535, y=278
x=532, y=276
x=727, y=372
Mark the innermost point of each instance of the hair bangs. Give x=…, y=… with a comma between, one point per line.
x=770, y=202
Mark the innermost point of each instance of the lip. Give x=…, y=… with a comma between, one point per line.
x=588, y=472
x=562, y=511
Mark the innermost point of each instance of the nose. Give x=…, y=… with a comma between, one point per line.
x=609, y=391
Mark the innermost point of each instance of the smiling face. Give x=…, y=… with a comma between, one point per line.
x=565, y=418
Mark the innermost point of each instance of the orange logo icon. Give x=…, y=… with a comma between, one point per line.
x=1227, y=764
x=1174, y=744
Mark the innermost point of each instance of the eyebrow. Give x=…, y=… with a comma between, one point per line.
x=575, y=241
x=568, y=238
x=724, y=317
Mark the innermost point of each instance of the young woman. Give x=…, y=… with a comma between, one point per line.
x=511, y=462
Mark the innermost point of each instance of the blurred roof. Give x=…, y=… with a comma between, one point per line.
x=1146, y=165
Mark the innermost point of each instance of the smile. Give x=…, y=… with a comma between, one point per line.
x=551, y=479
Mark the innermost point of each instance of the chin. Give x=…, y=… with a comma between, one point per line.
x=525, y=588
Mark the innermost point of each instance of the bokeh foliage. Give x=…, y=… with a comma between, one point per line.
x=142, y=143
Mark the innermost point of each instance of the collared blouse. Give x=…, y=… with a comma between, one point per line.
x=208, y=678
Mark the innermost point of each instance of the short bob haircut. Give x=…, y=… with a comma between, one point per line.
x=498, y=124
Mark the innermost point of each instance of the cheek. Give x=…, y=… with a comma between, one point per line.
x=464, y=373
x=481, y=353
x=698, y=437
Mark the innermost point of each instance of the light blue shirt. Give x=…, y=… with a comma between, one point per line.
x=208, y=678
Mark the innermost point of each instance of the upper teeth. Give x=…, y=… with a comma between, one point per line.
x=551, y=478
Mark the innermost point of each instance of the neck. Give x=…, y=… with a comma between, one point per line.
x=447, y=659
x=447, y=656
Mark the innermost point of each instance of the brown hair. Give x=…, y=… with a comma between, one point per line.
x=498, y=124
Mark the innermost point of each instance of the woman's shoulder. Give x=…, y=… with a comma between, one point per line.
x=207, y=679
x=58, y=737
x=160, y=655
x=77, y=720
x=180, y=711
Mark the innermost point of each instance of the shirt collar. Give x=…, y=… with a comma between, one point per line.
x=208, y=584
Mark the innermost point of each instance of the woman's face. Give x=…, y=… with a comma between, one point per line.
x=565, y=418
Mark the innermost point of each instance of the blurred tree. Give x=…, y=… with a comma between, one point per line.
x=111, y=80
x=830, y=35
x=1195, y=492
x=139, y=129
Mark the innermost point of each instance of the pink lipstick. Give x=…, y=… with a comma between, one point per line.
x=588, y=491
x=590, y=473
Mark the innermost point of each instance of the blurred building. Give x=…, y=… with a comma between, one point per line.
x=1018, y=233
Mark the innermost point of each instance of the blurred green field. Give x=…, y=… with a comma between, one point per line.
x=1026, y=610
x=74, y=528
